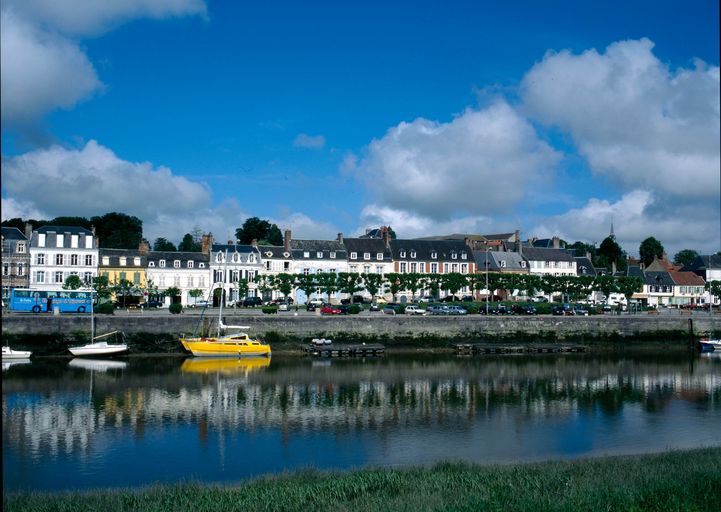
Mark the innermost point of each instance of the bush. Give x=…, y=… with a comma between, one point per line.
x=175, y=308
x=355, y=309
x=269, y=310
x=106, y=308
x=400, y=309
x=472, y=309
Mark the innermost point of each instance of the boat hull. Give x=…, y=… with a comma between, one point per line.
x=209, y=347
x=709, y=345
x=13, y=355
x=97, y=349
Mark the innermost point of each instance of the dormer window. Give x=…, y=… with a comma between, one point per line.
x=379, y=256
x=136, y=262
x=306, y=254
x=161, y=263
x=201, y=265
x=21, y=247
x=236, y=257
x=332, y=255
x=413, y=254
x=319, y=254
x=286, y=255
x=354, y=255
x=176, y=263
x=268, y=254
x=190, y=263
x=402, y=254
x=523, y=264
x=503, y=263
x=219, y=257
x=251, y=258
x=434, y=254
x=454, y=255
x=106, y=260
x=366, y=255
x=464, y=255
x=151, y=264
x=123, y=261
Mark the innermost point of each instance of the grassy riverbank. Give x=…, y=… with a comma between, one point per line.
x=682, y=480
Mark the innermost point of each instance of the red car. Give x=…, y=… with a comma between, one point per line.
x=329, y=310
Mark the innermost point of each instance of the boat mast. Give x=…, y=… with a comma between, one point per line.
x=92, y=317
x=222, y=292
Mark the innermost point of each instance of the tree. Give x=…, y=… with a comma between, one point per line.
x=685, y=257
x=242, y=286
x=395, y=282
x=349, y=282
x=195, y=293
x=101, y=285
x=714, y=289
x=174, y=293
x=118, y=230
x=285, y=282
x=650, y=249
x=373, y=283
x=307, y=283
x=162, y=244
x=188, y=244
x=327, y=282
x=581, y=249
x=610, y=252
x=453, y=282
x=629, y=285
x=72, y=282
x=124, y=288
x=261, y=230
x=71, y=221
x=413, y=282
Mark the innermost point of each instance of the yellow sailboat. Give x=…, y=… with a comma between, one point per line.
x=228, y=345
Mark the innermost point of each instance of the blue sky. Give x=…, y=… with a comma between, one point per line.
x=554, y=118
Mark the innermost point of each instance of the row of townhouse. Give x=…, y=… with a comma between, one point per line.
x=44, y=258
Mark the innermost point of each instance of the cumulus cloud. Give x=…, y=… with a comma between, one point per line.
x=44, y=68
x=635, y=120
x=307, y=141
x=304, y=227
x=94, y=180
x=636, y=216
x=407, y=224
x=482, y=161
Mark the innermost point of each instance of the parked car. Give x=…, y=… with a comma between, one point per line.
x=316, y=302
x=539, y=299
x=329, y=310
x=379, y=300
x=283, y=306
x=580, y=311
x=429, y=300
x=200, y=304
x=523, y=309
x=151, y=304
x=412, y=309
x=251, y=302
x=457, y=310
x=391, y=308
x=501, y=309
x=450, y=298
x=437, y=310
x=467, y=298
x=374, y=308
x=563, y=309
x=310, y=307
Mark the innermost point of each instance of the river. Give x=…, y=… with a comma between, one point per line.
x=137, y=421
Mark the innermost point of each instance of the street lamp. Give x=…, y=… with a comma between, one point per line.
x=487, y=290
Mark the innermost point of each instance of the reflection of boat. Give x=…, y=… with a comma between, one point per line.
x=710, y=344
x=98, y=365
x=711, y=355
x=7, y=363
x=10, y=354
x=224, y=365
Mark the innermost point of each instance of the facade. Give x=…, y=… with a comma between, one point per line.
x=277, y=259
x=555, y=262
x=122, y=264
x=183, y=270
x=243, y=262
x=15, y=261
x=315, y=257
x=57, y=252
x=709, y=268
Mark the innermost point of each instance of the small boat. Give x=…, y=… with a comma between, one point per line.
x=10, y=354
x=321, y=341
x=98, y=348
x=710, y=344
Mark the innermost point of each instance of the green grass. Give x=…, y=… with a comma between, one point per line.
x=675, y=481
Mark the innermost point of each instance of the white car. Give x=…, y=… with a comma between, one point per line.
x=412, y=309
x=316, y=302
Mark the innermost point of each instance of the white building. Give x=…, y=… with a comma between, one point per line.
x=57, y=252
x=243, y=262
x=183, y=270
x=316, y=257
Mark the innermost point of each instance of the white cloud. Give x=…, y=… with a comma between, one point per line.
x=480, y=162
x=93, y=180
x=635, y=217
x=84, y=18
x=14, y=209
x=307, y=141
x=43, y=67
x=41, y=71
x=407, y=224
x=305, y=228
x=634, y=120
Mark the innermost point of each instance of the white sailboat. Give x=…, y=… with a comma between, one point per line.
x=96, y=348
x=10, y=354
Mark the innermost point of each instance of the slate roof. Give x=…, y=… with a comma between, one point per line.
x=116, y=254
x=13, y=234
x=543, y=254
x=234, y=248
x=51, y=232
x=313, y=247
x=660, y=278
x=584, y=267
x=371, y=245
x=423, y=248
x=170, y=256
x=274, y=252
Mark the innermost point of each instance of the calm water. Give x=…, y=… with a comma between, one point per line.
x=78, y=425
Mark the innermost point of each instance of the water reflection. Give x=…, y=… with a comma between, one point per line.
x=92, y=422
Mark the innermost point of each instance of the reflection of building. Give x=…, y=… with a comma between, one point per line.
x=57, y=252
x=15, y=261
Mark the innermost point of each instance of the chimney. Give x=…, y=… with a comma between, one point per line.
x=286, y=240
x=28, y=230
x=254, y=243
x=588, y=255
x=230, y=242
x=340, y=237
x=206, y=242
x=386, y=237
x=556, y=242
x=143, y=247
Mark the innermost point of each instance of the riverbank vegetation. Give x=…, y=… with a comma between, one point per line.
x=679, y=480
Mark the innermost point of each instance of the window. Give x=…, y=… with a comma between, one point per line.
x=176, y=281
x=332, y=255
x=445, y=268
x=286, y=266
x=414, y=267
x=523, y=264
x=40, y=259
x=366, y=255
x=58, y=277
x=88, y=277
x=379, y=269
x=123, y=261
x=319, y=254
x=379, y=256
x=434, y=254
x=106, y=260
x=454, y=267
x=151, y=264
x=74, y=241
x=21, y=247
x=122, y=276
x=403, y=266
x=217, y=276
x=367, y=269
x=201, y=265
x=88, y=260
x=41, y=240
x=251, y=258
x=464, y=268
x=422, y=268
x=454, y=255
x=503, y=263
x=236, y=257
x=234, y=276
x=354, y=255
x=176, y=263
x=434, y=268
x=219, y=256
x=161, y=263
x=306, y=254
x=353, y=268
x=21, y=269
x=413, y=254
x=6, y=269
x=402, y=254
x=88, y=241
x=136, y=277
x=59, y=240
x=306, y=271
x=40, y=277
x=464, y=255
x=58, y=259
x=136, y=262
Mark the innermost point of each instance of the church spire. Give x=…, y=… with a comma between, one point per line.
x=611, y=235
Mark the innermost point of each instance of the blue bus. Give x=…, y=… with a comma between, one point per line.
x=44, y=301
